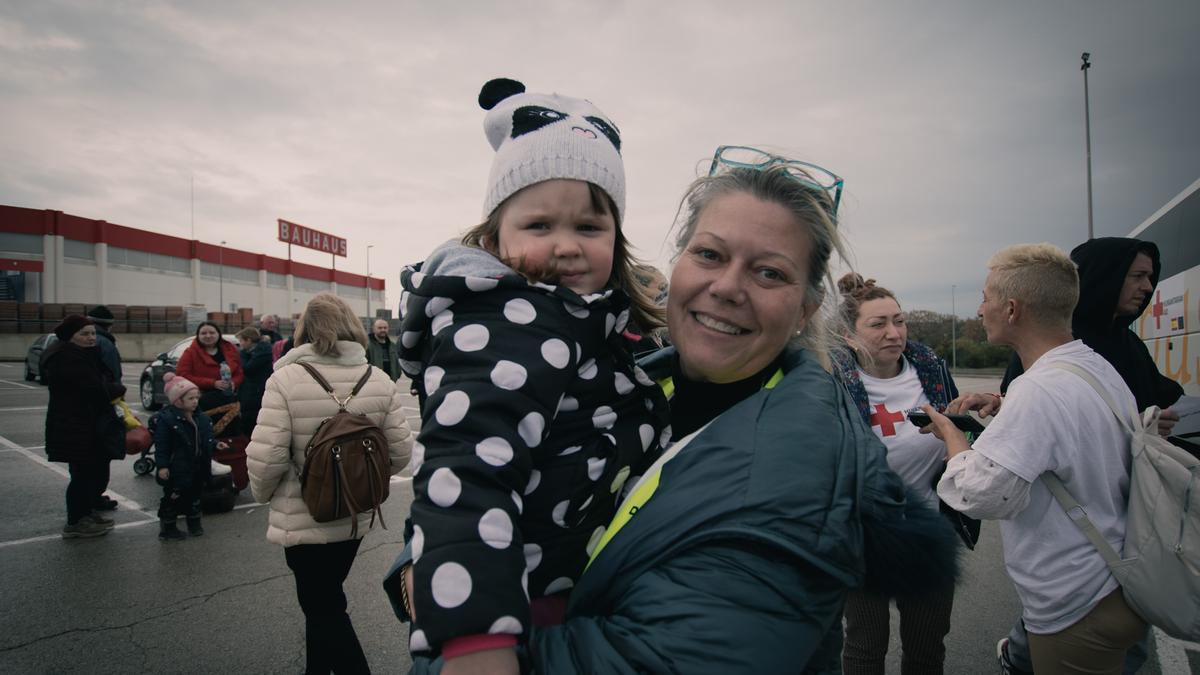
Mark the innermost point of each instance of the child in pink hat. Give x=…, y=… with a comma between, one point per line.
x=183, y=449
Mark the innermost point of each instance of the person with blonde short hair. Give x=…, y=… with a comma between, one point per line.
x=329, y=338
x=1052, y=421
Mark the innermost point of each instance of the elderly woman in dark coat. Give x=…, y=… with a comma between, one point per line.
x=81, y=427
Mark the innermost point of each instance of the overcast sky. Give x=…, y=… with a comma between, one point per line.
x=958, y=126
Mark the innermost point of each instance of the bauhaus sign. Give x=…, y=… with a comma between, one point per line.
x=307, y=237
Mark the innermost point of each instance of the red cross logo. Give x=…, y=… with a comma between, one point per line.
x=886, y=419
x=1158, y=309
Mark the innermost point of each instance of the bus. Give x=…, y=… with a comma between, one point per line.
x=1169, y=326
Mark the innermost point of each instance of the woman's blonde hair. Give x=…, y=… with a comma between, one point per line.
x=813, y=210
x=644, y=313
x=326, y=320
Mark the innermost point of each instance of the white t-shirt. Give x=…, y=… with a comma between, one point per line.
x=914, y=456
x=1054, y=421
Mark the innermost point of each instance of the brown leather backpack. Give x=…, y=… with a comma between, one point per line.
x=346, y=464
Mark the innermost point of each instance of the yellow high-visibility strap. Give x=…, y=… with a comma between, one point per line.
x=638, y=498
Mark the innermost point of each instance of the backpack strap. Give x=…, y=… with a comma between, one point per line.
x=1079, y=516
x=342, y=403
x=1130, y=419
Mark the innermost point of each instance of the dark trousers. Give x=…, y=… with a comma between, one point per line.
x=329, y=639
x=178, y=501
x=924, y=623
x=88, y=480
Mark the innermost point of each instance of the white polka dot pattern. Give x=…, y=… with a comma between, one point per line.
x=471, y=338
x=494, y=451
x=622, y=384
x=418, y=543
x=533, y=557
x=433, y=379
x=496, y=529
x=568, y=403
x=444, y=487
x=609, y=322
x=594, y=539
x=441, y=321
x=418, y=457
x=535, y=479
x=556, y=353
x=604, y=418
x=588, y=370
x=451, y=585
x=570, y=451
x=559, y=584
x=508, y=375
x=437, y=305
x=619, y=480
x=410, y=338
x=480, y=284
x=530, y=428
x=517, y=500
x=453, y=408
x=596, y=467
x=576, y=311
x=519, y=311
x=622, y=321
x=646, y=432
x=417, y=641
x=559, y=514
x=505, y=625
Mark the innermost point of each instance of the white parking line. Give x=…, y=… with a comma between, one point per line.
x=36, y=407
x=125, y=502
x=48, y=537
x=20, y=384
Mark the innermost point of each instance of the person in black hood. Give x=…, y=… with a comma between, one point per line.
x=1109, y=303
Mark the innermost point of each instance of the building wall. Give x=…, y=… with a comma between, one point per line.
x=92, y=262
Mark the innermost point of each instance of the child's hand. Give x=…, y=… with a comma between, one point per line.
x=164, y=473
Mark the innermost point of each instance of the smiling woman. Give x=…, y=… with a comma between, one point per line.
x=736, y=550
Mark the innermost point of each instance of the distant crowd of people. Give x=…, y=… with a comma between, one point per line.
x=749, y=494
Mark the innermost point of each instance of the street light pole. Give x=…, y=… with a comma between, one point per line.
x=369, y=247
x=953, y=331
x=1087, y=126
x=221, y=282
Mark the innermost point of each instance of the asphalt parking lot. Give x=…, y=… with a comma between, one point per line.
x=225, y=602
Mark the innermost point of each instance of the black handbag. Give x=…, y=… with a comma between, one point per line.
x=110, y=434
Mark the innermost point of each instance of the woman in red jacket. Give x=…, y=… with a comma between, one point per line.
x=201, y=364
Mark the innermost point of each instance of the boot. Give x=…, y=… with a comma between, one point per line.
x=194, y=527
x=169, y=531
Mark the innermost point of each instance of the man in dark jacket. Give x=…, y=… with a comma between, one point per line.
x=110, y=356
x=256, y=365
x=1117, y=277
x=381, y=351
x=103, y=318
x=267, y=327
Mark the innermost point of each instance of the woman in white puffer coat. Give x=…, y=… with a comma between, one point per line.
x=330, y=337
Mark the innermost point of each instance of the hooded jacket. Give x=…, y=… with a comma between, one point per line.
x=1103, y=264
x=293, y=407
x=185, y=447
x=740, y=560
x=534, y=416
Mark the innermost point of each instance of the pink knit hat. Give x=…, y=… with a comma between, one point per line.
x=175, y=386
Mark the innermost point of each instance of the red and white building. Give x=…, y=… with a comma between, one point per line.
x=54, y=257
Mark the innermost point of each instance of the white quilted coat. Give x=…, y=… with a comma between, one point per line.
x=292, y=408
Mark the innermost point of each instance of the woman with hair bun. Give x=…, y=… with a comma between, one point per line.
x=886, y=375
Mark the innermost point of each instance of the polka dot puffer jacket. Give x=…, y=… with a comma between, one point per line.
x=534, y=417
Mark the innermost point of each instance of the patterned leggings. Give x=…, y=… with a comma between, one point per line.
x=924, y=623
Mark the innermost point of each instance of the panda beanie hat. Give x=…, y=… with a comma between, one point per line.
x=540, y=137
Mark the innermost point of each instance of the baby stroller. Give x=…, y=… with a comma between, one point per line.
x=229, y=475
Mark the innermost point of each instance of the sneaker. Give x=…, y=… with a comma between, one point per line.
x=105, y=503
x=103, y=520
x=1006, y=666
x=86, y=527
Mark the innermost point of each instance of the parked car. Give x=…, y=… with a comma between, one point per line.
x=150, y=387
x=33, y=357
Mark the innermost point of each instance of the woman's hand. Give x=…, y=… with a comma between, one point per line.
x=492, y=661
x=946, y=432
x=222, y=445
x=222, y=385
x=985, y=404
x=164, y=473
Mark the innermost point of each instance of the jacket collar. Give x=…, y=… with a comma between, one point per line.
x=349, y=354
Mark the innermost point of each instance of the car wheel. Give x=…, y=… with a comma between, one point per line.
x=30, y=376
x=147, y=392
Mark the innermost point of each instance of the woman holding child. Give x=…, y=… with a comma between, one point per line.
x=737, y=549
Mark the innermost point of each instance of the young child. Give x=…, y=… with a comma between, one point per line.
x=183, y=449
x=534, y=415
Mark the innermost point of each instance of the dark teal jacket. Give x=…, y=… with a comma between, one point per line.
x=741, y=559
